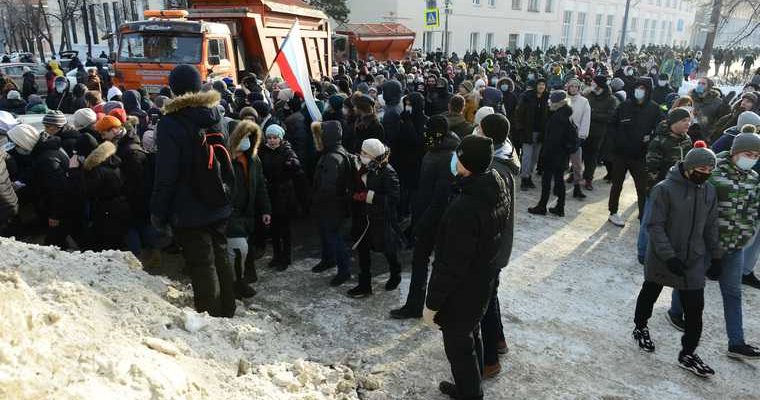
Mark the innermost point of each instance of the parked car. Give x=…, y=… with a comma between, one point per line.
x=16, y=72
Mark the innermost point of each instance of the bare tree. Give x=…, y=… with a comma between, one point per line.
x=721, y=15
x=26, y=23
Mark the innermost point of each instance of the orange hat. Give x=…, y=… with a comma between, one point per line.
x=106, y=123
x=120, y=114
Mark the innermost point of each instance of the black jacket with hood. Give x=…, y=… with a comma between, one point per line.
x=173, y=199
x=49, y=181
x=78, y=92
x=434, y=190
x=409, y=149
x=63, y=101
x=633, y=125
x=132, y=105
x=332, y=175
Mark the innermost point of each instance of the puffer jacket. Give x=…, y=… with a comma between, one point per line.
x=331, y=177
x=8, y=199
x=469, y=238
x=249, y=197
x=531, y=115
x=708, y=108
x=602, y=109
x=406, y=155
x=133, y=170
x=632, y=127
x=738, y=203
x=684, y=225
x=282, y=171
x=49, y=182
x=376, y=219
x=459, y=125
x=434, y=190
x=665, y=150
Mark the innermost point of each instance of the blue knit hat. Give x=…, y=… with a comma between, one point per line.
x=275, y=130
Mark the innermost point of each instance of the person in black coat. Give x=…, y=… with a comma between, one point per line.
x=560, y=140
x=509, y=98
x=406, y=158
x=199, y=227
x=375, y=224
x=132, y=105
x=61, y=98
x=431, y=199
x=462, y=280
x=282, y=172
x=78, y=102
x=366, y=125
x=101, y=180
x=73, y=141
x=437, y=98
x=8, y=199
x=29, y=86
x=13, y=103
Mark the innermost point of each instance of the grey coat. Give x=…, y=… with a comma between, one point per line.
x=683, y=224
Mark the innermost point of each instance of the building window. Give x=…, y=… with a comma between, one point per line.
x=533, y=5
x=516, y=4
x=545, y=41
x=492, y=3
x=679, y=25
x=670, y=32
x=476, y=2
x=659, y=3
x=652, y=31
x=549, y=6
x=513, y=38
x=634, y=24
x=580, y=29
x=567, y=20
x=489, y=41
x=663, y=29
x=530, y=39
x=474, y=41
x=608, y=30
x=598, y=28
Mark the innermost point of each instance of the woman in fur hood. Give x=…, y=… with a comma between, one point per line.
x=249, y=198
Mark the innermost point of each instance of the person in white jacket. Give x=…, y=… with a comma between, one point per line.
x=582, y=119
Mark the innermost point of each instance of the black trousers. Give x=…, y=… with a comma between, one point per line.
x=491, y=328
x=365, y=261
x=205, y=252
x=555, y=174
x=591, y=152
x=693, y=303
x=465, y=353
x=280, y=232
x=67, y=226
x=423, y=249
x=620, y=166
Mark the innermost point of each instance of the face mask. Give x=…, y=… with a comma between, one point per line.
x=245, y=144
x=662, y=83
x=745, y=163
x=410, y=80
x=60, y=88
x=453, y=166
x=494, y=82
x=531, y=77
x=408, y=109
x=698, y=177
x=699, y=89
x=653, y=72
x=21, y=151
x=629, y=72
x=639, y=94
x=504, y=88
x=8, y=146
x=365, y=160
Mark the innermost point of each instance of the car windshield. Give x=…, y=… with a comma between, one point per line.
x=140, y=47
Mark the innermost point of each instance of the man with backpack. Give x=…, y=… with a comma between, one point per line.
x=189, y=196
x=333, y=181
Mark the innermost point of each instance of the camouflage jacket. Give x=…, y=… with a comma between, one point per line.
x=738, y=203
x=664, y=151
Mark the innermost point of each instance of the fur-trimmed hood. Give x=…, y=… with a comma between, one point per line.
x=98, y=156
x=245, y=128
x=208, y=99
x=557, y=106
x=327, y=135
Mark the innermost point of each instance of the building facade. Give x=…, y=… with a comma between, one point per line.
x=481, y=24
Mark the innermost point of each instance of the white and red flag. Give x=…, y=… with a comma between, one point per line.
x=292, y=63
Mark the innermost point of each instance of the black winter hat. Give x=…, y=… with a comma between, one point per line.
x=475, y=152
x=601, y=80
x=185, y=78
x=496, y=127
x=261, y=107
x=677, y=114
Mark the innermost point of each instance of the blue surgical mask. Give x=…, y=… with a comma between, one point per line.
x=245, y=144
x=639, y=94
x=745, y=163
x=453, y=166
x=699, y=89
x=504, y=88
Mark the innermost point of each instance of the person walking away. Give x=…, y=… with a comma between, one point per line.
x=411, y=149
x=367, y=125
x=199, y=218
x=282, y=172
x=456, y=119
x=531, y=115
x=461, y=283
x=736, y=185
x=433, y=195
x=603, y=105
x=333, y=183
x=581, y=117
x=662, y=90
x=249, y=200
x=78, y=100
x=560, y=141
x=29, y=85
x=496, y=127
x=632, y=127
x=375, y=220
x=682, y=225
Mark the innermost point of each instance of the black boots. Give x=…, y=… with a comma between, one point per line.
x=392, y=282
x=558, y=211
x=578, y=193
x=323, y=266
x=526, y=184
x=537, y=210
x=242, y=288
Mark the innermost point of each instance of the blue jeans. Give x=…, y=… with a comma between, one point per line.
x=334, y=248
x=751, y=255
x=731, y=291
x=141, y=236
x=643, y=233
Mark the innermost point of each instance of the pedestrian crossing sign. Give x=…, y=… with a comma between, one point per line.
x=432, y=18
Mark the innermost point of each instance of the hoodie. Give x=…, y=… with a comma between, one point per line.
x=63, y=101
x=633, y=125
x=133, y=107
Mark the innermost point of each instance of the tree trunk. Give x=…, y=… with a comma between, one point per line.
x=704, y=64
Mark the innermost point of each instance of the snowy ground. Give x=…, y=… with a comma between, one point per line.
x=84, y=326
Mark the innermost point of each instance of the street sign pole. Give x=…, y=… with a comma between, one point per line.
x=445, y=38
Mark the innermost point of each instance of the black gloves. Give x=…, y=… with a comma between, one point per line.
x=713, y=273
x=676, y=266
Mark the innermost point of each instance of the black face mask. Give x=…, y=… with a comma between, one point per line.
x=698, y=177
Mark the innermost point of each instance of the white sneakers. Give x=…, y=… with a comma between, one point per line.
x=617, y=220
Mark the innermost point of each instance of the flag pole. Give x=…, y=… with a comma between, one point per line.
x=269, y=70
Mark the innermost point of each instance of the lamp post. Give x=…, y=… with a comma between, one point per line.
x=445, y=36
x=625, y=25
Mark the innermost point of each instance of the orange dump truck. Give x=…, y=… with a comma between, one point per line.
x=221, y=38
x=382, y=42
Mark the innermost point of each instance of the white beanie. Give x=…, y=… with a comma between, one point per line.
x=480, y=83
x=113, y=92
x=482, y=113
x=83, y=118
x=13, y=95
x=373, y=147
x=24, y=136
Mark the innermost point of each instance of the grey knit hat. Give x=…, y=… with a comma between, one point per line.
x=54, y=118
x=747, y=118
x=745, y=142
x=699, y=156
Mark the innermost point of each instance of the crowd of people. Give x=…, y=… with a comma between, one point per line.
x=424, y=154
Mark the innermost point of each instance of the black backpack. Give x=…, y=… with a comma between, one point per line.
x=345, y=184
x=212, y=177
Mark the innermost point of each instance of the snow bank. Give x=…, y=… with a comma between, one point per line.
x=95, y=326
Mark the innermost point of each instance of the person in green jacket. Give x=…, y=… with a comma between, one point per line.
x=249, y=198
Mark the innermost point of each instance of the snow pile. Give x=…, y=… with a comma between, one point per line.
x=95, y=326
